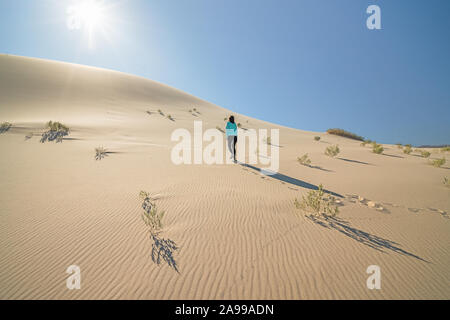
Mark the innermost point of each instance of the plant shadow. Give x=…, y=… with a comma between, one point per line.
x=392, y=156
x=363, y=237
x=355, y=161
x=163, y=250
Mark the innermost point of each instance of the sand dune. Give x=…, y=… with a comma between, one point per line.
x=238, y=233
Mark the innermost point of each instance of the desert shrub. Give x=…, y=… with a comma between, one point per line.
x=425, y=154
x=304, y=160
x=239, y=125
x=100, y=153
x=399, y=145
x=56, y=131
x=160, y=112
x=365, y=142
x=438, y=162
x=332, y=151
x=225, y=119
x=317, y=203
x=377, y=148
x=317, y=138
x=170, y=117
x=407, y=149
x=345, y=134
x=445, y=149
x=446, y=182
x=190, y=111
x=151, y=216
x=5, y=126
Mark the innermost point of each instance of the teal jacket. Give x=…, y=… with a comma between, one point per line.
x=231, y=129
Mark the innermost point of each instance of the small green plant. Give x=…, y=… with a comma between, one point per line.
x=318, y=204
x=100, y=153
x=317, y=138
x=365, y=142
x=239, y=125
x=304, y=160
x=377, y=148
x=446, y=182
x=425, y=154
x=151, y=216
x=332, y=151
x=407, y=149
x=5, y=126
x=445, y=149
x=56, y=131
x=225, y=119
x=345, y=134
x=438, y=162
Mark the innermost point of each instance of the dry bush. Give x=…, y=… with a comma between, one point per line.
x=407, y=149
x=377, y=148
x=151, y=216
x=317, y=203
x=100, y=153
x=425, y=154
x=345, y=134
x=438, y=162
x=56, y=131
x=5, y=126
x=304, y=160
x=332, y=151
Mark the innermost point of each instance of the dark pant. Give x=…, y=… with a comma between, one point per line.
x=235, y=142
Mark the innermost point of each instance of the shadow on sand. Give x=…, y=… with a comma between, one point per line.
x=393, y=156
x=163, y=250
x=287, y=179
x=355, y=161
x=363, y=237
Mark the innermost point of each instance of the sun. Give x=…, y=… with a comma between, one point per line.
x=87, y=14
x=90, y=16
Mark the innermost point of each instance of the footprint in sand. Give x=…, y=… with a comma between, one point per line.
x=441, y=212
x=366, y=202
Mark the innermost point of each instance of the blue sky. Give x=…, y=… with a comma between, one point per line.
x=307, y=64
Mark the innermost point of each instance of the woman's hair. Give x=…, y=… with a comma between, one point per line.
x=231, y=119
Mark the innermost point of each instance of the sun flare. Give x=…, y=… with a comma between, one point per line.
x=91, y=16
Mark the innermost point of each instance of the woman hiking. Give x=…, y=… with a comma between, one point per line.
x=231, y=131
